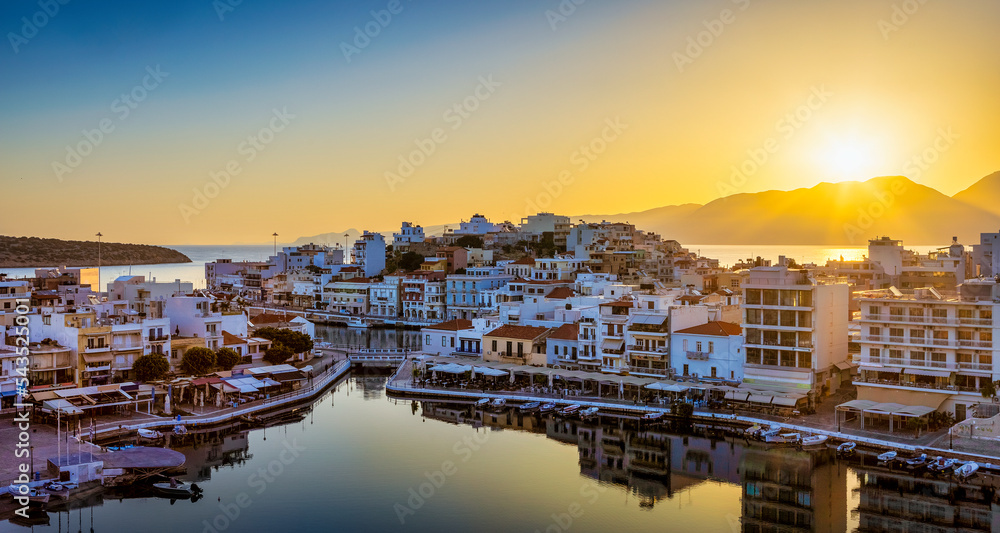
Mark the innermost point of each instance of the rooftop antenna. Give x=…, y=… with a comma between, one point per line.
x=99, y=264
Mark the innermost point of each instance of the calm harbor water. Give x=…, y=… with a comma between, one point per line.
x=360, y=461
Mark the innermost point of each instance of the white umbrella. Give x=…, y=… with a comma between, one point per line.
x=621, y=389
x=472, y=376
x=512, y=375
x=551, y=377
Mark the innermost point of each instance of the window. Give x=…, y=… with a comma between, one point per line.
x=686, y=370
x=697, y=346
x=787, y=358
x=713, y=372
x=711, y=348
x=427, y=341
x=494, y=346
x=875, y=331
x=453, y=342
x=874, y=310
x=753, y=356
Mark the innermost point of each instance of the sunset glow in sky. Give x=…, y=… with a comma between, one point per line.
x=443, y=109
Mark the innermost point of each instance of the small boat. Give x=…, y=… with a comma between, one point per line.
x=940, y=465
x=530, y=406
x=176, y=489
x=652, y=417
x=38, y=498
x=967, y=470
x=179, y=429
x=498, y=403
x=754, y=430
x=814, y=441
x=357, y=322
x=887, y=457
x=117, y=448
x=570, y=409
x=765, y=434
x=546, y=407
x=589, y=412
x=783, y=438
x=846, y=448
x=482, y=402
x=151, y=434
x=918, y=462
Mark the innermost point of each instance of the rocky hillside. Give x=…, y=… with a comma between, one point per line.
x=35, y=252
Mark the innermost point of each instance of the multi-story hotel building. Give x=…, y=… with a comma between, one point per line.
x=796, y=331
x=923, y=348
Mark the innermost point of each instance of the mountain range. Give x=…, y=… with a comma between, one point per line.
x=845, y=213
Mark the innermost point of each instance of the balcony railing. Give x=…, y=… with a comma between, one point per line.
x=649, y=349
x=917, y=385
x=987, y=367
x=698, y=356
x=651, y=371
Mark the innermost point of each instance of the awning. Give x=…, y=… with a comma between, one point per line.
x=487, y=371
x=612, y=344
x=844, y=365
x=760, y=398
x=927, y=372
x=97, y=357
x=7, y=393
x=785, y=401
x=655, y=320
x=857, y=405
x=96, y=368
x=667, y=387
x=61, y=406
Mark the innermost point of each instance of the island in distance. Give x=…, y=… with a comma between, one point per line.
x=16, y=252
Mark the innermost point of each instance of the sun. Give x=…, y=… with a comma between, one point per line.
x=849, y=159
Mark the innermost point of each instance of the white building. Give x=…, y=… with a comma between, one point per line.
x=369, y=253
x=477, y=225
x=796, y=331
x=923, y=349
x=443, y=338
x=540, y=223
x=408, y=234
x=193, y=316
x=385, y=298
x=349, y=296
x=713, y=350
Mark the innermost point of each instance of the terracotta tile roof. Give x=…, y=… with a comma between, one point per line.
x=526, y=260
x=691, y=298
x=560, y=293
x=228, y=339
x=518, y=332
x=355, y=280
x=617, y=303
x=268, y=318
x=566, y=332
x=719, y=329
x=451, y=325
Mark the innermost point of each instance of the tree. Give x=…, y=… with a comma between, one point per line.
x=150, y=367
x=989, y=390
x=297, y=342
x=227, y=358
x=278, y=353
x=917, y=423
x=410, y=261
x=470, y=241
x=198, y=361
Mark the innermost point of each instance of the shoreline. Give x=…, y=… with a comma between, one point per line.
x=403, y=388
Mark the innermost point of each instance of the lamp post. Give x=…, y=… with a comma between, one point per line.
x=275, y=235
x=99, y=265
x=346, y=239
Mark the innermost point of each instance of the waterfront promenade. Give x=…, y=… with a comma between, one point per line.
x=45, y=443
x=821, y=423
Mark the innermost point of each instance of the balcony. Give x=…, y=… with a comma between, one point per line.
x=976, y=344
x=159, y=338
x=947, y=388
x=648, y=349
x=97, y=349
x=649, y=371
x=976, y=367
x=976, y=321
x=698, y=356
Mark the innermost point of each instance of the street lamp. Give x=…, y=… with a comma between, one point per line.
x=99, y=265
x=275, y=235
x=346, y=239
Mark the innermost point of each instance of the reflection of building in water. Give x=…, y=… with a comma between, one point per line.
x=376, y=338
x=213, y=450
x=791, y=490
x=371, y=388
x=459, y=414
x=896, y=501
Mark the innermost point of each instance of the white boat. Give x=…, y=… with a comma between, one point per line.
x=940, y=465
x=176, y=489
x=967, y=470
x=179, y=429
x=357, y=322
x=498, y=403
x=846, y=448
x=753, y=430
x=150, y=434
x=570, y=409
x=36, y=497
x=546, y=407
x=887, y=457
x=482, y=402
x=783, y=438
x=588, y=412
x=530, y=406
x=765, y=434
x=814, y=441
x=650, y=417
